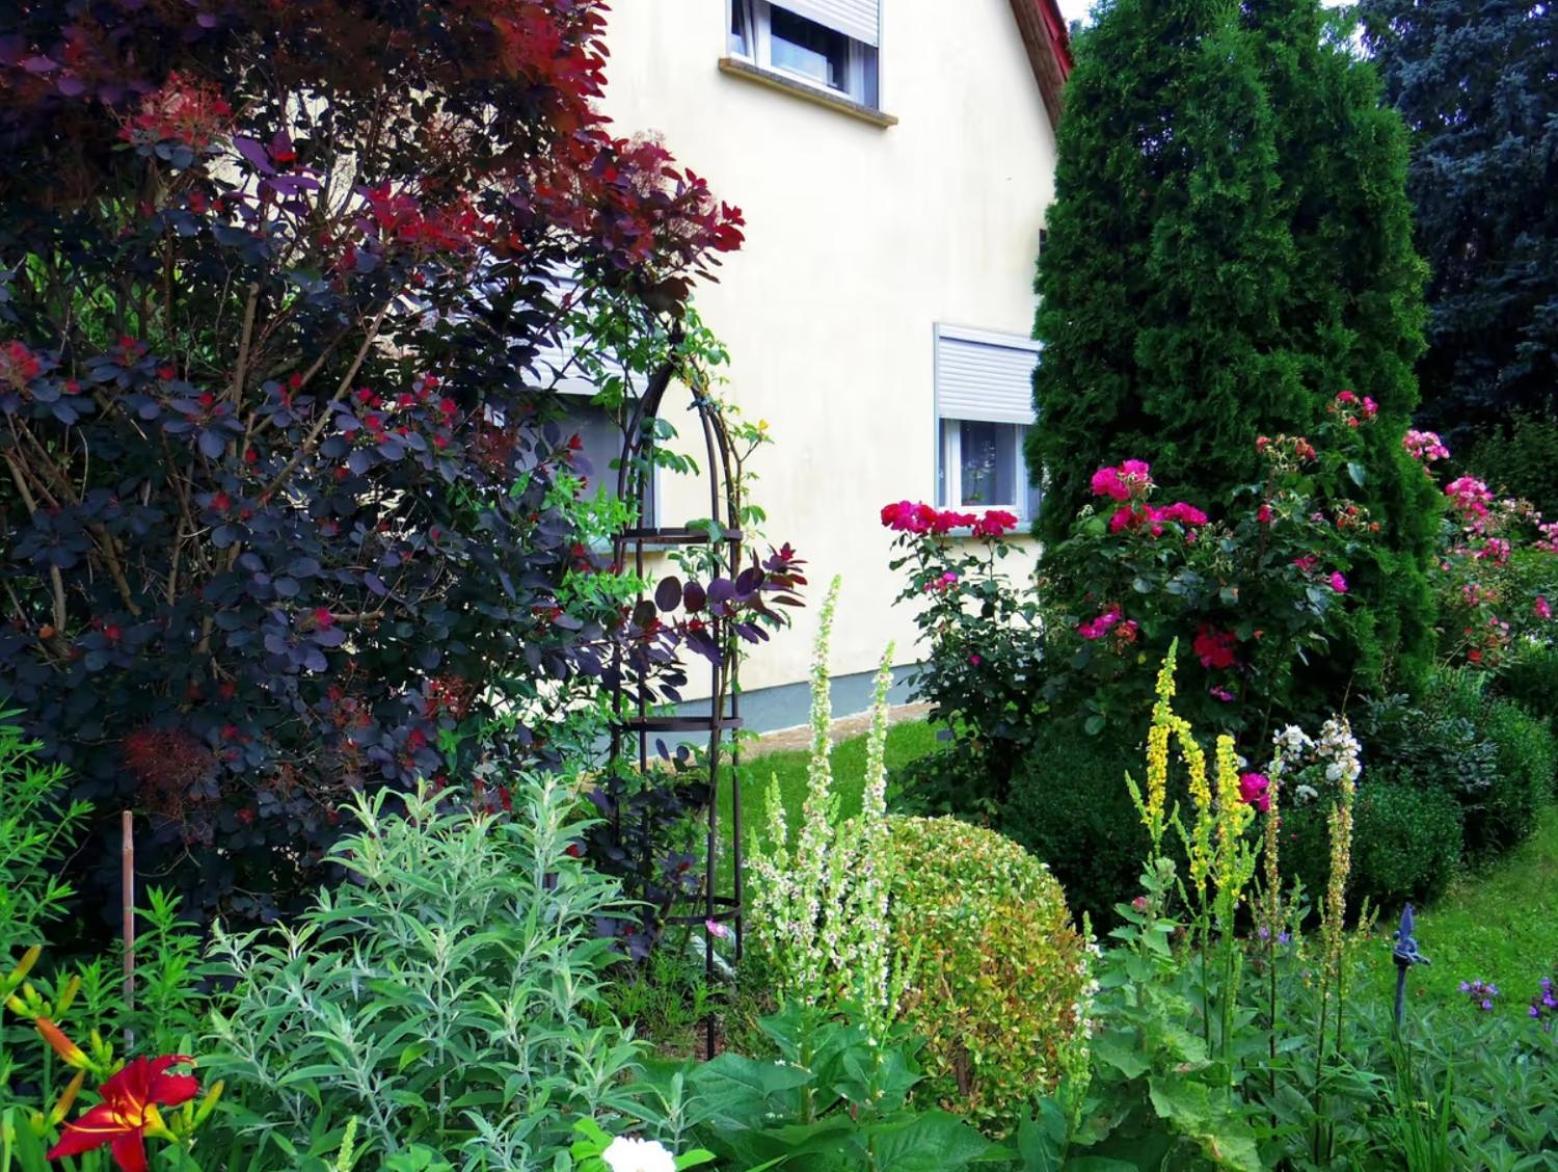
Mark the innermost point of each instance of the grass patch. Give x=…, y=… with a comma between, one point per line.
x=905, y=742
x=1497, y=924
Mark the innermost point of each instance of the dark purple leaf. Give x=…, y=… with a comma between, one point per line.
x=255, y=153
x=669, y=593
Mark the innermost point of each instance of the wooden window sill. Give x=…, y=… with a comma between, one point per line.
x=736, y=67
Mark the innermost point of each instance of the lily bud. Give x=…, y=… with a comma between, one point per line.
x=70, y=1053
x=24, y=966
x=67, y=1099
x=68, y=995
x=208, y=1104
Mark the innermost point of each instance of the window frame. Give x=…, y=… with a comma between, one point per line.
x=862, y=69
x=947, y=476
x=573, y=402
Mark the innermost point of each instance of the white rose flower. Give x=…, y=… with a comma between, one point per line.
x=637, y=1155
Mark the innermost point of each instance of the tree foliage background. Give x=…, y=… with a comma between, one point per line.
x=1477, y=85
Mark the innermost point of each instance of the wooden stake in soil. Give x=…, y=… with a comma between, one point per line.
x=127, y=904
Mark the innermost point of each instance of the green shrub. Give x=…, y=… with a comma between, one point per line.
x=1517, y=459
x=1070, y=807
x=443, y=996
x=999, y=967
x=1524, y=754
x=1407, y=843
x=955, y=778
x=1490, y=754
x=1531, y=680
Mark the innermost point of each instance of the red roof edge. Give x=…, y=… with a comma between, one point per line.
x=1048, y=44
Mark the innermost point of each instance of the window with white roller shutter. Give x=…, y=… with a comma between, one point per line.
x=831, y=44
x=984, y=407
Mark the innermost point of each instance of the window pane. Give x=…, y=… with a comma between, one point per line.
x=805, y=47
x=989, y=463
x=739, y=37
x=602, y=447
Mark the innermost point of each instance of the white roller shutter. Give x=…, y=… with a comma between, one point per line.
x=857, y=19
x=984, y=376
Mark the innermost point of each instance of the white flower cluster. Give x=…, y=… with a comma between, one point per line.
x=1340, y=750
x=820, y=913
x=637, y=1155
x=1335, y=756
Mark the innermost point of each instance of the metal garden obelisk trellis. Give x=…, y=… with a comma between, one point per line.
x=633, y=725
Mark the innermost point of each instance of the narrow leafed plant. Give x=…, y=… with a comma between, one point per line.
x=447, y=996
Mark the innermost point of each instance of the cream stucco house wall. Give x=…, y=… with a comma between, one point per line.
x=893, y=221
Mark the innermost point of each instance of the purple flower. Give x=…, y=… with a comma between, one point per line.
x=1544, y=1006
x=1481, y=994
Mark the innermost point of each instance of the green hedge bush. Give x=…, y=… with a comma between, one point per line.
x=1494, y=757
x=999, y=967
x=1531, y=680
x=1407, y=843
x=1069, y=806
x=1524, y=755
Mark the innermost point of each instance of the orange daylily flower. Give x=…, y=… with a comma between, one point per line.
x=128, y=1112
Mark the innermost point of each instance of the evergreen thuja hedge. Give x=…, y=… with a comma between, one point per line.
x=1230, y=246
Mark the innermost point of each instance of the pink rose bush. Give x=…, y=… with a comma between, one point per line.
x=1251, y=590
x=980, y=632
x=1495, y=571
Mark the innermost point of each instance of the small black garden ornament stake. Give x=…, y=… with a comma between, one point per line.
x=1405, y=955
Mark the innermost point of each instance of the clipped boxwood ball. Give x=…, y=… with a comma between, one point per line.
x=1000, y=966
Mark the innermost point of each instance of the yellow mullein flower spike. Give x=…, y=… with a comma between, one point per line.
x=1199, y=842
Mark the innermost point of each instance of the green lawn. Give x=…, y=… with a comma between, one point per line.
x=905, y=742
x=1499, y=924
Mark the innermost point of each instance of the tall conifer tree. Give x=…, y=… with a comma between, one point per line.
x=1354, y=306
x=1230, y=246
x=1164, y=251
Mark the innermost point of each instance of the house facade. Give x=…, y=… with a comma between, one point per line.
x=893, y=159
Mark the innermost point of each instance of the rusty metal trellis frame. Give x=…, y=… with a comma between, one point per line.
x=631, y=723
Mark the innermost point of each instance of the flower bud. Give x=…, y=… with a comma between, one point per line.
x=24, y=966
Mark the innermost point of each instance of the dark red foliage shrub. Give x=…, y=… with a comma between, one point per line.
x=279, y=501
